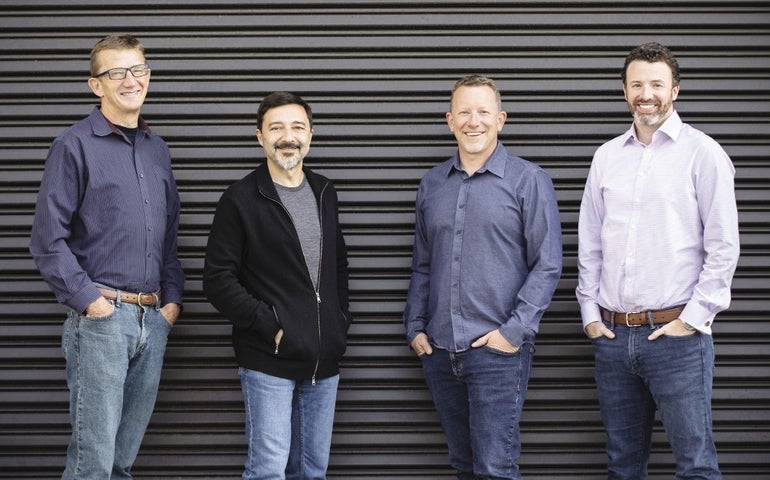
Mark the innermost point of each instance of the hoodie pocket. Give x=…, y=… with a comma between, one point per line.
x=299, y=340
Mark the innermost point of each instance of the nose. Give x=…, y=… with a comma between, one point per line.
x=288, y=135
x=130, y=78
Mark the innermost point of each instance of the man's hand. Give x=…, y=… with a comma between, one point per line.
x=496, y=341
x=421, y=345
x=170, y=312
x=99, y=308
x=595, y=330
x=672, y=329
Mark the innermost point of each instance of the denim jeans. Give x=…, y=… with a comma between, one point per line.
x=113, y=370
x=288, y=426
x=479, y=394
x=634, y=376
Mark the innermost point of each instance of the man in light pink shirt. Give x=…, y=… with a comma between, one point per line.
x=658, y=246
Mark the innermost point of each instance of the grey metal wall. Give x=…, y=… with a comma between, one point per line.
x=377, y=75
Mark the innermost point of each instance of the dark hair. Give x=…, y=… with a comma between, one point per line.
x=652, y=52
x=113, y=42
x=279, y=99
x=477, y=81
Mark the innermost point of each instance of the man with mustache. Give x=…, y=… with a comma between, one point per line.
x=658, y=246
x=276, y=267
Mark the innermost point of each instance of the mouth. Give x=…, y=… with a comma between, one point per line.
x=647, y=107
x=288, y=147
x=132, y=93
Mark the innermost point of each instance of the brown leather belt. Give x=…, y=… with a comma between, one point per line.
x=145, y=299
x=637, y=319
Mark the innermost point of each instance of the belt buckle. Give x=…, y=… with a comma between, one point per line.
x=631, y=313
x=139, y=299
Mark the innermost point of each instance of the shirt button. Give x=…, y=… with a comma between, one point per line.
x=146, y=201
x=141, y=175
x=149, y=229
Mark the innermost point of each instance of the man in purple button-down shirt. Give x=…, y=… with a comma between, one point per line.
x=487, y=258
x=104, y=237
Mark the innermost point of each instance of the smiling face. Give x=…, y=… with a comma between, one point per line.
x=475, y=120
x=285, y=136
x=650, y=93
x=121, y=100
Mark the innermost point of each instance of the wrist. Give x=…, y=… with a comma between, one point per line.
x=687, y=326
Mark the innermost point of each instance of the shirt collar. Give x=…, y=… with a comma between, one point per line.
x=495, y=163
x=671, y=128
x=103, y=127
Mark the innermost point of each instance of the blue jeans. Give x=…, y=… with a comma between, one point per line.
x=113, y=370
x=288, y=426
x=634, y=376
x=479, y=394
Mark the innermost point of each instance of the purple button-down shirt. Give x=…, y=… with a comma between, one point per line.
x=487, y=252
x=107, y=212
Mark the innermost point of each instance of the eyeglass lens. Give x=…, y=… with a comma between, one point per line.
x=120, y=73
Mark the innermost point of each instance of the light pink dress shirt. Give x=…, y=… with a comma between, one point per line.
x=658, y=226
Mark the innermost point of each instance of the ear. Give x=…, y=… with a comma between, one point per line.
x=96, y=86
x=501, y=118
x=449, y=121
x=259, y=137
x=674, y=92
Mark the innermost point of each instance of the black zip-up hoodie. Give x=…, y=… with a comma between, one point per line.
x=255, y=274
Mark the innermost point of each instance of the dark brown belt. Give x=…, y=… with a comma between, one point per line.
x=637, y=319
x=145, y=299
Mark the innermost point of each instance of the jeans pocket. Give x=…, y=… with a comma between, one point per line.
x=684, y=337
x=101, y=317
x=496, y=351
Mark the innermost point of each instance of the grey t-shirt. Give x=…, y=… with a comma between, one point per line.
x=303, y=208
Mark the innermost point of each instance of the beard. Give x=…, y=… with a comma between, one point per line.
x=290, y=161
x=654, y=118
x=649, y=119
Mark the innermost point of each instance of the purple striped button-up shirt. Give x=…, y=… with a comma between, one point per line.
x=107, y=212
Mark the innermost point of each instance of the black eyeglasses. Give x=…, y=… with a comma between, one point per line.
x=120, y=73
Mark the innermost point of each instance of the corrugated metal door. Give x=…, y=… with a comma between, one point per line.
x=378, y=75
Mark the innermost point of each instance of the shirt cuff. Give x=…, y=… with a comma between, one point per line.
x=698, y=317
x=590, y=313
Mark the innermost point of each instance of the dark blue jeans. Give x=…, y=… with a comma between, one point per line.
x=634, y=376
x=479, y=395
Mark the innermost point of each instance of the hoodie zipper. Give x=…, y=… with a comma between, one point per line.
x=317, y=290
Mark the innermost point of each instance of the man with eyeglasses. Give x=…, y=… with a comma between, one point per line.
x=104, y=237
